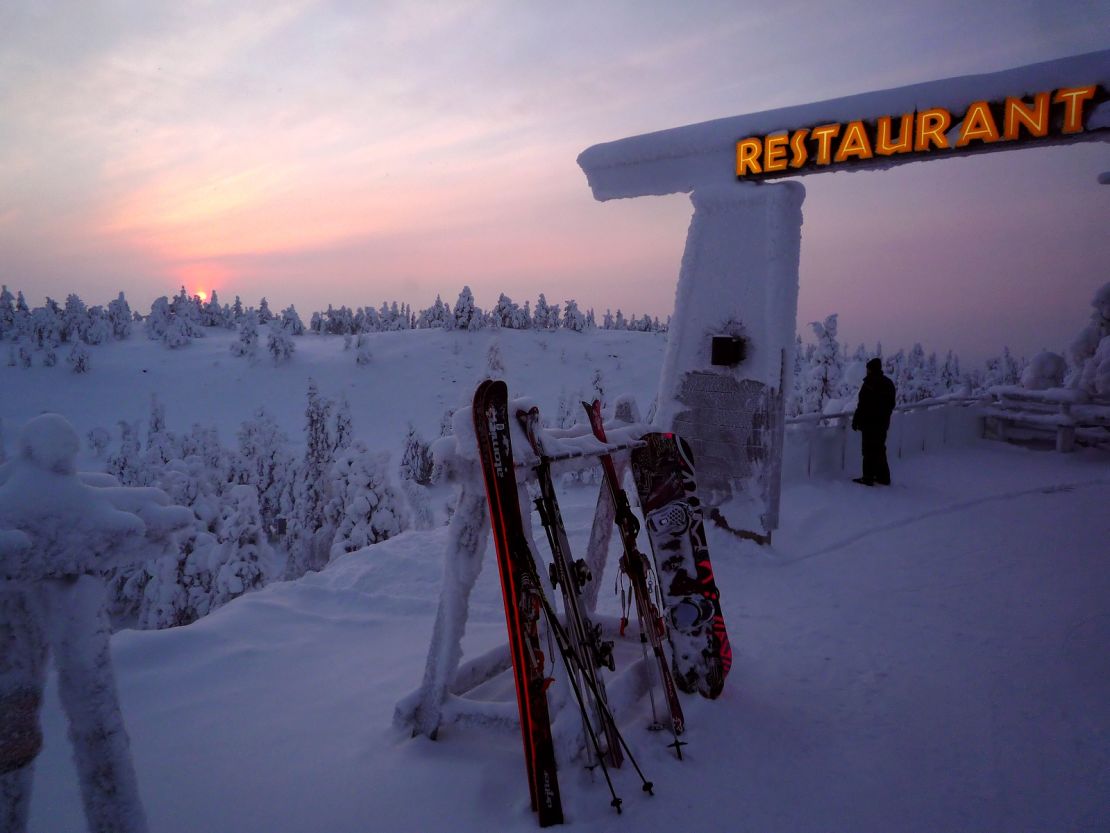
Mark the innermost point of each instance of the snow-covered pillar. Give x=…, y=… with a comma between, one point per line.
x=739, y=278
x=467, y=535
x=22, y=669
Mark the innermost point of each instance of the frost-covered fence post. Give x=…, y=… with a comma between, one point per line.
x=467, y=536
x=59, y=531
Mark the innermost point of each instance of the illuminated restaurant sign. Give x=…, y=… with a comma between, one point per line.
x=935, y=131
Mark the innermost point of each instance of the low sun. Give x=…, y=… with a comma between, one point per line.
x=202, y=294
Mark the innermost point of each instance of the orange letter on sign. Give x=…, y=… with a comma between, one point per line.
x=1073, y=98
x=798, y=145
x=978, y=124
x=904, y=144
x=774, y=153
x=854, y=143
x=747, y=156
x=931, y=125
x=824, y=136
x=1018, y=113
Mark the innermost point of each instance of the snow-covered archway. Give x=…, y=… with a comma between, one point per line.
x=739, y=273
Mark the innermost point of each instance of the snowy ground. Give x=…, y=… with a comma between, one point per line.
x=928, y=657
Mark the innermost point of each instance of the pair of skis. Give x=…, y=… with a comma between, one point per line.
x=579, y=644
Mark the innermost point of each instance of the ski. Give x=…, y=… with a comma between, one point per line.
x=634, y=564
x=592, y=652
x=523, y=597
x=664, y=473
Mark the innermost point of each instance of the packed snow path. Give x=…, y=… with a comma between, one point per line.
x=921, y=658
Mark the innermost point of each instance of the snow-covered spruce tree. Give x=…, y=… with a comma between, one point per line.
x=243, y=552
x=363, y=356
x=74, y=318
x=825, y=367
x=178, y=333
x=1089, y=353
x=246, y=345
x=279, y=343
x=367, y=507
x=495, y=363
x=119, y=314
x=506, y=314
x=545, y=316
x=310, y=536
x=342, y=426
x=573, y=319
x=417, y=462
x=49, y=357
x=291, y=322
x=264, y=450
x=125, y=464
x=264, y=314
x=7, y=312
x=59, y=531
x=99, y=327
x=46, y=325
x=98, y=439
x=437, y=315
x=78, y=358
x=467, y=316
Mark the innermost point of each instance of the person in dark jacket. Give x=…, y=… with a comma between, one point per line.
x=872, y=419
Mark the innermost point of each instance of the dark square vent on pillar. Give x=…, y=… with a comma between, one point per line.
x=728, y=350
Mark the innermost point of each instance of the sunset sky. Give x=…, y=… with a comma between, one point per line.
x=353, y=152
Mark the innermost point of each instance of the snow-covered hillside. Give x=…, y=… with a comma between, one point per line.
x=926, y=657
x=931, y=657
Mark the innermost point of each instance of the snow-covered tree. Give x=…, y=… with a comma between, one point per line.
x=78, y=358
x=363, y=356
x=1089, y=352
x=125, y=463
x=495, y=362
x=370, y=509
x=466, y=315
x=1046, y=370
x=98, y=439
x=291, y=322
x=264, y=314
x=310, y=536
x=243, y=551
x=573, y=319
x=545, y=317
x=279, y=342
x=825, y=367
x=246, y=344
x=269, y=465
x=437, y=315
x=417, y=462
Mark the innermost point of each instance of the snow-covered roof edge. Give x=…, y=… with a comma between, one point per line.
x=683, y=158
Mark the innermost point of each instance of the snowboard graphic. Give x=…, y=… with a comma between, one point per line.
x=664, y=474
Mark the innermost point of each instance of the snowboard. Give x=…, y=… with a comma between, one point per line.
x=664, y=473
x=523, y=596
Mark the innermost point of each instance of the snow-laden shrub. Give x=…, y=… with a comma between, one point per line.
x=1045, y=370
x=417, y=463
x=363, y=356
x=1088, y=353
x=248, y=336
x=279, y=342
x=372, y=510
x=243, y=551
x=78, y=358
x=98, y=439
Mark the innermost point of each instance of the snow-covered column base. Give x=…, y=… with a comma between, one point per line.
x=22, y=671
x=421, y=711
x=739, y=277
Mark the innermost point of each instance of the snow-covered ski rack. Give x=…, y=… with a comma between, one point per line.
x=442, y=697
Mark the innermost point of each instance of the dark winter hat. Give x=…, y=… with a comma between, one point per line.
x=874, y=365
